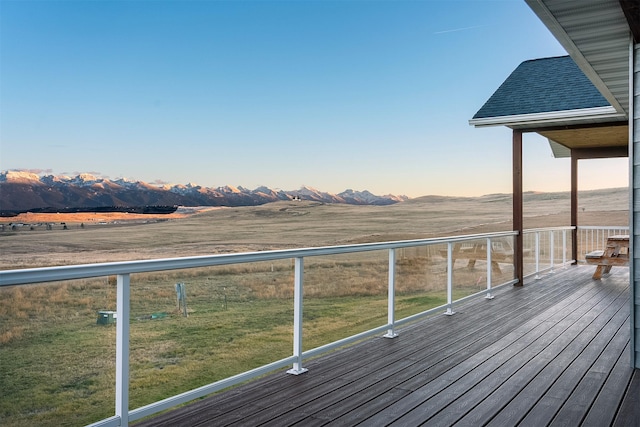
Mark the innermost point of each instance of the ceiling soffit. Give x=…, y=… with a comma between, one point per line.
x=594, y=137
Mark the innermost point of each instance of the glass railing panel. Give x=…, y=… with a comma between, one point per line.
x=528, y=254
x=57, y=353
x=546, y=249
x=343, y=296
x=421, y=279
x=470, y=267
x=238, y=317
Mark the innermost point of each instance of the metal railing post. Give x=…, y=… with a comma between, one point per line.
x=564, y=248
x=551, y=249
x=122, y=348
x=537, y=255
x=449, y=311
x=489, y=268
x=297, y=318
x=391, y=309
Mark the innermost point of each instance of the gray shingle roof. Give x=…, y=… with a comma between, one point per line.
x=541, y=86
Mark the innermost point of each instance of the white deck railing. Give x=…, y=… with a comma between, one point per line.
x=595, y=238
x=536, y=243
x=544, y=248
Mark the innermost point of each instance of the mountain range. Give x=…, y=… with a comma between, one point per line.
x=24, y=191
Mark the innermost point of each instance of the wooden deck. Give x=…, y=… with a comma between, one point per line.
x=554, y=352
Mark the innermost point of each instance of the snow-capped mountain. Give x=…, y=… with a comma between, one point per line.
x=22, y=191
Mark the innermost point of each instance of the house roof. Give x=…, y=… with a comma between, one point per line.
x=545, y=91
x=554, y=97
x=581, y=101
x=540, y=86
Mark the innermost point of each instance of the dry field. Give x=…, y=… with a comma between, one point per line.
x=118, y=237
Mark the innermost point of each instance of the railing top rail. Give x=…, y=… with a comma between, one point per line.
x=535, y=230
x=81, y=271
x=608, y=227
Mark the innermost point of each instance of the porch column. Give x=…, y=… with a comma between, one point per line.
x=517, y=208
x=574, y=206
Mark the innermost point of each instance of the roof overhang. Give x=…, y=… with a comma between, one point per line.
x=597, y=35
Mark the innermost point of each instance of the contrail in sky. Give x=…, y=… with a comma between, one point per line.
x=459, y=29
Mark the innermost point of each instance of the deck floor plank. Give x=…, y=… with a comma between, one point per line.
x=449, y=360
x=499, y=358
x=511, y=400
x=628, y=414
x=611, y=394
x=554, y=352
x=575, y=408
x=453, y=412
x=503, y=372
x=549, y=388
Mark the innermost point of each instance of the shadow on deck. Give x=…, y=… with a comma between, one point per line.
x=554, y=352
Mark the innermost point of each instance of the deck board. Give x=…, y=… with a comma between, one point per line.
x=503, y=373
x=628, y=414
x=611, y=394
x=554, y=352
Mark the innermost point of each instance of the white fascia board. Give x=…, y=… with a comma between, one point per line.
x=551, y=117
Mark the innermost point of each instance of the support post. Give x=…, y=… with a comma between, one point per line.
x=391, y=333
x=518, y=263
x=574, y=206
x=297, y=318
x=122, y=348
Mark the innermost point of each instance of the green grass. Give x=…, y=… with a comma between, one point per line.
x=62, y=373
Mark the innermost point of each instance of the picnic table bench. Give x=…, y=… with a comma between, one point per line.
x=616, y=253
x=478, y=251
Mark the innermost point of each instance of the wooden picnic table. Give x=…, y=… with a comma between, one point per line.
x=478, y=251
x=616, y=253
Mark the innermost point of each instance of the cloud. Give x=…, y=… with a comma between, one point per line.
x=88, y=172
x=460, y=29
x=36, y=171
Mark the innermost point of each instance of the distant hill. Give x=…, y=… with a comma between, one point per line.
x=24, y=191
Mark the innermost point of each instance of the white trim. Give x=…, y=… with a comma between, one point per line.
x=579, y=115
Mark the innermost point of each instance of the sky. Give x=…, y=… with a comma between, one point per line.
x=365, y=95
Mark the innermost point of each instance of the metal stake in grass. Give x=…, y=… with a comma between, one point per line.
x=181, y=294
